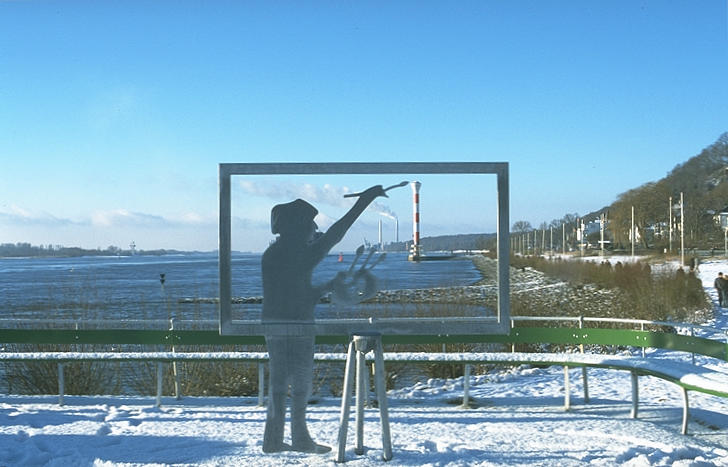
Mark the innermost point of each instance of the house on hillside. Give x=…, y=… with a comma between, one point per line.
x=721, y=218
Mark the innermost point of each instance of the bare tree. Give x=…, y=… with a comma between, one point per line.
x=521, y=227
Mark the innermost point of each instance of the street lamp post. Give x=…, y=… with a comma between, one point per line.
x=632, y=231
x=682, y=231
x=669, y=215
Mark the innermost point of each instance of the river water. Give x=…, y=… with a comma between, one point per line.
x=129, y=287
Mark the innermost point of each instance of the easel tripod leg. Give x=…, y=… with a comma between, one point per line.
x=382, y=400
x=362, y=385
x=345, y=402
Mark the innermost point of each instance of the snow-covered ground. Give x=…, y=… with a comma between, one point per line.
x=518, y=419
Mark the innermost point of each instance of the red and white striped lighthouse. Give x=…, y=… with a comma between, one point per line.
x=415, y=252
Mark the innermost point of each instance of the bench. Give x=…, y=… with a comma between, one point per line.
x=687, y=376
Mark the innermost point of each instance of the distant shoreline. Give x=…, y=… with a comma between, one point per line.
x=26, y=250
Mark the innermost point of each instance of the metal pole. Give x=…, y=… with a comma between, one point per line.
x=567, y=389
x=466, y=386
x=177, y=386
x=601, y=233
x=686, y=411
x=160, y=375
x=381, y=390
x=584, y=377
x=632, y=232
x=635, y=394
x=261, y=384
x=362, y=387
x=682, y=231
x=415, y=220
x=177, y=390
x=522, y=244
x=563, y=238
x=345, y=402
x=725, y=241
x=669, y=211
x=61, y=384
x=551, y=247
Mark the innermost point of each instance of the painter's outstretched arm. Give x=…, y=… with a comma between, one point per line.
x=337, y=231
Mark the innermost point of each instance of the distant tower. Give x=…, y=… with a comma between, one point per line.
x=396, y=229
x=381, y=245
x=132, y=248
x=416, y=249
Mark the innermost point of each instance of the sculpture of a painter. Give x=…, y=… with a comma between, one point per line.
x=289, y=297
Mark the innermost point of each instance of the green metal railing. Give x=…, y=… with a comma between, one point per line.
x=559, y=335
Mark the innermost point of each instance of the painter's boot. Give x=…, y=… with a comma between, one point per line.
x=300, y=438
x=274, y=423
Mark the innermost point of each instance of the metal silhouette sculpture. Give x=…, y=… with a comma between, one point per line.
x=356, y=285
x=289, y=299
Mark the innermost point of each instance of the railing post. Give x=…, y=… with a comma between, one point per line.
x=513, y=344
x=177, y=389
x=584, y=379
x=160, y=376
x=692, y=354
x=261, y=384
x=686, y=411
x=567, y=389
x=466, y=387
x=61, y=384
x=635, y=394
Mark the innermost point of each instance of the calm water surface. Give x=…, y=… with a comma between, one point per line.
x=119, y=288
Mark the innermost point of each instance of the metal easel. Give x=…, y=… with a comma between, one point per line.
x=360, y=344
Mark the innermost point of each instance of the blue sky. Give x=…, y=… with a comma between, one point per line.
x=115, y=115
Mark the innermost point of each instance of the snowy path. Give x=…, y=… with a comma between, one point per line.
x=523, y=430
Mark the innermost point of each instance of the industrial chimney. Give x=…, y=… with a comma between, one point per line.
x=381, y=244
x=416, y=249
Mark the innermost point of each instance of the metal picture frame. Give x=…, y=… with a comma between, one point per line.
x=498, y=324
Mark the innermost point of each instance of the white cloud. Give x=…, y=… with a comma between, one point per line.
x=193, y=218
x=125, y=218
x=16, y=215
x=20, y=216
x=327, y=194
x=287, y=191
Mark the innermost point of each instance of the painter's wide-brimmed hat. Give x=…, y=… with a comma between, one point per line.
x=295, y=213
